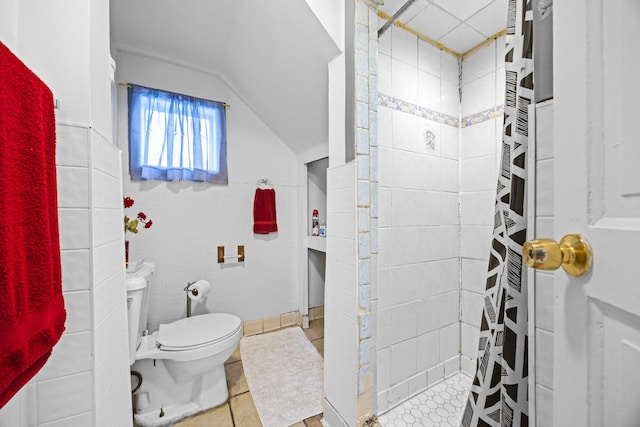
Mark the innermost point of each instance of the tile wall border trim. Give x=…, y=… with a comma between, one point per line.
x=417, y=110
x=482, y=116
x=425, y=113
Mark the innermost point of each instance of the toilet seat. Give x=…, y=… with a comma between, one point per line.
x=197, y=331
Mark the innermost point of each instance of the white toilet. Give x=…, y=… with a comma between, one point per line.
x=182, y=364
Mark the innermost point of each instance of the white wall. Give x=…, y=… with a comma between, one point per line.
x=85, y=382
x=190, y=220
x=418, y=279
x=331, y=14
x=481, y=135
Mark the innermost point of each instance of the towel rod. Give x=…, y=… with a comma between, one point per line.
x=222, y=256
x=264, y=181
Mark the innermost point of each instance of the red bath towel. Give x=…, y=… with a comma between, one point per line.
x=264, y=211
x=32, y=311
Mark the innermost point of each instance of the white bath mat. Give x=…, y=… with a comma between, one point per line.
x=284, y=372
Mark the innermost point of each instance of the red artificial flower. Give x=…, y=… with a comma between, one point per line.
x=131, y=225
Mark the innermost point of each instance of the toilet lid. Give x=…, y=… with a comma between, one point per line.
x=197, y=331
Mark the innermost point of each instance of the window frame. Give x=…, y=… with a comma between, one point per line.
x=183, y=160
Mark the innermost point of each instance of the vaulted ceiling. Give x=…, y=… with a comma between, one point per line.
x=274, y=54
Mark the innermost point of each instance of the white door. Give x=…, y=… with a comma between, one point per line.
x=597, y=194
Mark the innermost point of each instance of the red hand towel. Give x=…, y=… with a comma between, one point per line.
x=32, y=311
x=264, y=211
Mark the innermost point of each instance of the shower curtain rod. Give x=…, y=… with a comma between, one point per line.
x=223, y=103
x=395, y=16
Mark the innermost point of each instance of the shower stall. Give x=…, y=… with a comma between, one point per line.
x=439, y=136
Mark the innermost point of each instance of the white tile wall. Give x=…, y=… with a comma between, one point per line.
x=479, y=174
x=63, y=392
x=341, y=334
x=418, y=272
x=480, y=153
x=420, y=194
x=409, y=189
x=404, y=81
x=64, y=397
x=544, y=281
x=544, y=406
x=403, y=360
x=71, y=355
x=479, y=140
x=479, y=64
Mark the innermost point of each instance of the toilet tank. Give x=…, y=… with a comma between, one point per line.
x=138, y=287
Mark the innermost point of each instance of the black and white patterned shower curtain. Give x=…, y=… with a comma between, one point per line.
x=499, y=394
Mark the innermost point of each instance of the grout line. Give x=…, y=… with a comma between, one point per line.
x=233, y=421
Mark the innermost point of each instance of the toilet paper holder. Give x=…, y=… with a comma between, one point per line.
x=222, y=257
x=193, y=292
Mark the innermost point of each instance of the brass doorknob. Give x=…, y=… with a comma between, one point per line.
x=573, y=253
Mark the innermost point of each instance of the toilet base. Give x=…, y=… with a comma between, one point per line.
x=172, y=414
x=176, y=400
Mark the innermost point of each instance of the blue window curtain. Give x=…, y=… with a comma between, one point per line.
x=174, y=137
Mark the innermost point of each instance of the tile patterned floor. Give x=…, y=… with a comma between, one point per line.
x=440, y=406
x=239, y=410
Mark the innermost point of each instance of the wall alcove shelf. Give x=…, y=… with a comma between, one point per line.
x=317, y=243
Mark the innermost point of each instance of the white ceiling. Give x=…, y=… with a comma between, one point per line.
x=274, y=54
x=458, y=24
x=276, y=64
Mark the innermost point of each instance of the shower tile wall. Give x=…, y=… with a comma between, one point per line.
x=436, y=208
x=418, y=284
x=480, y=148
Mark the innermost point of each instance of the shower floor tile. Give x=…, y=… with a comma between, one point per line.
x=441, y=405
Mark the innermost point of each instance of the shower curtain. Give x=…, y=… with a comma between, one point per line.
x=499, y=394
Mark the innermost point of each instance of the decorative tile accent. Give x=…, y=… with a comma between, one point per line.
x=363, y=193
x=365, y=298
x=363, y=167
x=416, y=110
x=365, y=325
x=364, y=376
x=425, y=113
x=362, y=141
x=363, y=220
x=363, y=272
x=439, y=406
x=483, y=116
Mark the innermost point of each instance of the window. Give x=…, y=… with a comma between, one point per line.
x=175, y=137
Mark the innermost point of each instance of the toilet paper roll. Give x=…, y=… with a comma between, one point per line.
x=198, y=290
